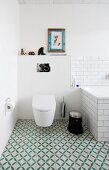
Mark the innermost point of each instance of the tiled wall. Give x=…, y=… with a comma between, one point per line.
x=89, y=111
x=96, y=115
x=103, y=119
x=90, y=70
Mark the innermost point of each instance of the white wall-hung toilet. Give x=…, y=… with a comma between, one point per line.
x=44, y=107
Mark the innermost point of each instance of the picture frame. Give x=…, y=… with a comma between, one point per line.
x=56, y=40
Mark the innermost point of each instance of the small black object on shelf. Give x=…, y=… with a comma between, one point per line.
x=22, y=51
x=31, y=53
x=41, y=51
x=75, y=123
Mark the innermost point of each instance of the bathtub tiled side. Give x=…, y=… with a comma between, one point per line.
x=103, y=119
x=95, y=114
x=89, y=111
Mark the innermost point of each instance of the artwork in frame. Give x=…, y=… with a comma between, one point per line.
x=56, y=40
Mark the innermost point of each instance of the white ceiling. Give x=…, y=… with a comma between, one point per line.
x=63, y=1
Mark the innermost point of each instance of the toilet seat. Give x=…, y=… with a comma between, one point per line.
x=44, y=103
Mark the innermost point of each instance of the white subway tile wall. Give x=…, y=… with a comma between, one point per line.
x=89, y=112
x=90, y=70
x=95, y=113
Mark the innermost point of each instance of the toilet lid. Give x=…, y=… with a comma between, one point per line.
x=44, y=102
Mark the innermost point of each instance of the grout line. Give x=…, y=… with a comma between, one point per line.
x=92, y=159
x=36, y=152
x=36, y=144
x=54, y=155
x=20, y=150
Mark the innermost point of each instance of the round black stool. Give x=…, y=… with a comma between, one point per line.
x=75, y=123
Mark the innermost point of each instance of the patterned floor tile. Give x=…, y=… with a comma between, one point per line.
x=8, y=161
x=45, y=153
x=27, y=157
x=53, y=148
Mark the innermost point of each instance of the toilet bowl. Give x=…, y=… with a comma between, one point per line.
x=44, y=107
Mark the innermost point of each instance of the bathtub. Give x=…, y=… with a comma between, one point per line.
x=95, y=110
x=100, y=92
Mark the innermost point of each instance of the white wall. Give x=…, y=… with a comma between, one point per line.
x=9, y=38
x=86, y=27
x=86, y=35
x=57, y=82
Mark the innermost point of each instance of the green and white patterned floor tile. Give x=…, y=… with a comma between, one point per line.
x=45, y=158
x=53, y=148
x=9, y=161
x=45, y=151
x=64, y=161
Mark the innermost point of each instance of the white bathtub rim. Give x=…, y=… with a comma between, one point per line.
x=99, y=92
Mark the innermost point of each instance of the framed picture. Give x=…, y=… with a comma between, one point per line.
x=56, y=40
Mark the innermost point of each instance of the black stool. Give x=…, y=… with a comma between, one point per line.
x=75, y=123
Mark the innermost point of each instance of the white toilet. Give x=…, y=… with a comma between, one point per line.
x=44, y=107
